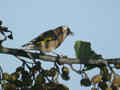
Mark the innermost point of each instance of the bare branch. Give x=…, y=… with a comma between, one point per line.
x=48, y=58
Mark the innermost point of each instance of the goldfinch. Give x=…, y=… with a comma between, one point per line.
x=49, y=40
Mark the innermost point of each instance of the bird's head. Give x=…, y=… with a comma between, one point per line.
x=67, y=30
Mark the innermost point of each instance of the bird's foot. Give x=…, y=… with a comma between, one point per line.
x=59, y=57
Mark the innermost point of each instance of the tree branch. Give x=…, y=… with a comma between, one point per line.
x=48, y=58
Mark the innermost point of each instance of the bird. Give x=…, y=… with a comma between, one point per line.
x=49, y=41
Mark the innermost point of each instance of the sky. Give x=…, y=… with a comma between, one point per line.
x=96, y=21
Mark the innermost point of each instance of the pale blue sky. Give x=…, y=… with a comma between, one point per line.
x=97, y=21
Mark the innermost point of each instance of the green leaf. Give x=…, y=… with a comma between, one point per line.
x=84, y=51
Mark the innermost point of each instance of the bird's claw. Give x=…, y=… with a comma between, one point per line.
x=59, y=57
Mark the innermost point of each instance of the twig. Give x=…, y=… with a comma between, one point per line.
x=75, y=70
x=25, y=62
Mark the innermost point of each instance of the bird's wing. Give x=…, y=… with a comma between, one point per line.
x=47, y=36
x=44, y=37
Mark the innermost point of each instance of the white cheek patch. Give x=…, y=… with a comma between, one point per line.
x=65, y=34
x=65, y=30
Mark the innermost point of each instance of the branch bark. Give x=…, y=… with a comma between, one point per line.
x=48, y=58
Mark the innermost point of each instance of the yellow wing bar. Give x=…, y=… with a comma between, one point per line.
x=44, y=41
